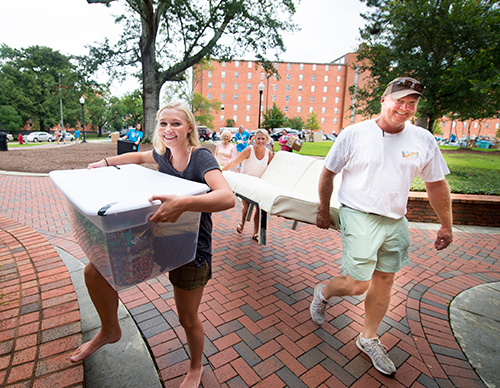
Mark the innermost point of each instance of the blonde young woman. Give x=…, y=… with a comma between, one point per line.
x=177, y=153
x=225, y=151
x=254, y=160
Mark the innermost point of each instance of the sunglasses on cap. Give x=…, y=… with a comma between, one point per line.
x=409, y=84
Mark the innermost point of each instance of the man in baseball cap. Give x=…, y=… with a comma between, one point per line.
x=378, y=160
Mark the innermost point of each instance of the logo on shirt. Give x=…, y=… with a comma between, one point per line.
x=410, y=155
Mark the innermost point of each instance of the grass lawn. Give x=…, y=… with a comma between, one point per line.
x=470, y=173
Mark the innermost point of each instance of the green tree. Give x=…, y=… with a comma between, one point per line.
x=230, y=123
x=39, y=78
x=273, y=118
x=312, y=122
x=97, y=107
x=451, y=46
x=166, y=38
x=10, y=120
x=133, y=108
x=202, y=109
x=295, y=123
x=116, y=115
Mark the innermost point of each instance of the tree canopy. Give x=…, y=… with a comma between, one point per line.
x=273, y=118
x=165, y=38
x=451, y=46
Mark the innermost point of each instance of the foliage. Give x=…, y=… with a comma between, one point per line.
x=230, y=123
x=273, y=118
x=295, y=123
x=133, y=108
x=312, y=122
x=202, y=108
x=10, y=120
x=34, y=79
x=451, y=46
x=166, y=38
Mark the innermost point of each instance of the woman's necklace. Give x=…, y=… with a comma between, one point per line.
x=182, y=161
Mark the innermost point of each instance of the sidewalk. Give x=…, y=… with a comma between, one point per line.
x=255, y=310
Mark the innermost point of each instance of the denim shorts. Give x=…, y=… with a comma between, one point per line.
x=372, y=242
x=189, y=276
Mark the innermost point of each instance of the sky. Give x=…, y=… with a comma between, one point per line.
x=329, y=28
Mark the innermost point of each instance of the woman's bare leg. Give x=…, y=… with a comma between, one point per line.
x=187, y=303
x=105, y=300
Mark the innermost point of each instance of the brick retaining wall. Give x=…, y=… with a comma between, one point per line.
x=481, y=210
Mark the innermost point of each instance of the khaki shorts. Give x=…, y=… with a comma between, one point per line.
x=372, y=242
x=189, y=276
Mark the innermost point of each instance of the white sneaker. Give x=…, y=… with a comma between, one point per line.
x=318, y=307
x=379, y=356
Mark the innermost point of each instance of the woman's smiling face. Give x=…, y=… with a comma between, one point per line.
x=173, y=127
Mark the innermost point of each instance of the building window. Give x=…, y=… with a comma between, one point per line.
x=287, y=98
x=250, y=64
x=249, y=86
x=312, y=98
x=286, y=109
x=247, y=118
x=235, y=107
x=335, y=110
x=301, y=66
x=322, y=120
x=289, y=66
x=323, y=110
x=313, y=88
x=310, y=109
x=327, y=67
x=248, y=97
x=262, y=75
x=487, y=125
x=210, y=74
x=336, y=100
x=248, y=108
x=221, y=106
x=288, y=77
x=210, y=85
x=235, y=96
x=337, y=89
x=222, y=85
x=221, y=117
x=300, y=88
x=301, y=77
x=235, y=118
x=299, y=109
x=223, y=64
x=300, y=98
x=236, y=74
x=287, y=88
x=338, y=78
x=314, y=77
x=326, y=78
x=236, y=85
x=209, y=96
x=340, y=68
x=222, y=96
x=325, y=89
x=223, y=74
x=496, y=125
x=275, y=76
x=324, y=100
x=274, y=97
x=314, y=67
x=249, y=75
x=335, y=120
x=275, y=65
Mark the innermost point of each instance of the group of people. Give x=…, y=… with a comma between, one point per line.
x=378, y=160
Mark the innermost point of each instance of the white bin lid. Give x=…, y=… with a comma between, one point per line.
x=119, y=189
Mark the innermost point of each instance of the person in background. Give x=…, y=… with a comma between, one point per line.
x=270, y=143
x=379, y=159
x=135, y=134
x=241, y=138
x=225, y=150
x=77, y=135
x=283, y=140
x=63, y=136
x=57, y=135
x=254, y=161
x=177, y=153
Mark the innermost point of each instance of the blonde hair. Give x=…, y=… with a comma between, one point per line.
x=193, y=137
x=226, y=132
x=264, y=132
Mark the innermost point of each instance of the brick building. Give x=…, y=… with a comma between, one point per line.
x=298, y=89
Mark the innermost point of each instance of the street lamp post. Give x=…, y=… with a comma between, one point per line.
x=261, y=89
x=82, y=101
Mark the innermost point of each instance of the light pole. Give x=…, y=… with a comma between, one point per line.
x=261, y=89
x=82, y=101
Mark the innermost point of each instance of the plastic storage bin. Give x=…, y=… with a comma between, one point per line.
x=109, y=211
x=125, y=146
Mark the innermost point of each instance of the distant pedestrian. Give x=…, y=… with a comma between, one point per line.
x=77, y=135
x=57, y=135
x=63, y=136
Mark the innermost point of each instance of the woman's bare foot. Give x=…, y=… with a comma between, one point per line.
x=193, y=378
x=88, y=348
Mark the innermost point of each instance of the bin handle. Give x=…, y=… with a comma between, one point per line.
x=102, y=210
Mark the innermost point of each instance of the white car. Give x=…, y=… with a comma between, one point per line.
x=69, y=136
x=35, y=137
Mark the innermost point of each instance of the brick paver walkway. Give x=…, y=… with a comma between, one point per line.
x=256, y=309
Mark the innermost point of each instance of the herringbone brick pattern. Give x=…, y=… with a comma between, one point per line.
x=255, y=310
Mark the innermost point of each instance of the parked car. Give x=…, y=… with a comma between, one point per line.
x=329, y=136
x=277, y=133
x=69, y=136
x=35, y=137
x=10, y=137
x=204, y=133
